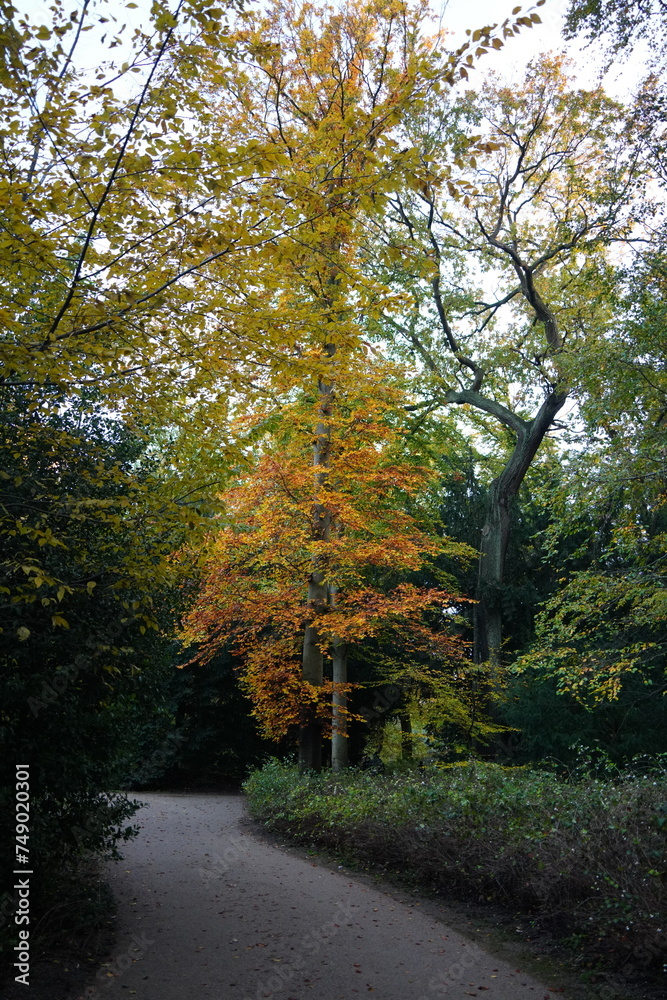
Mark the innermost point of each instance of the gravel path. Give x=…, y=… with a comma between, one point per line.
x=209, y=911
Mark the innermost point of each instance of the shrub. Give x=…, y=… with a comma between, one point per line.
x=585, y=857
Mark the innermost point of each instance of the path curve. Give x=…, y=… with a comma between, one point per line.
x=207, y=910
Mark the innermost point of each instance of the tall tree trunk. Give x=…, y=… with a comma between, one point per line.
x=339, y=740
x=497, y=527
x=310, y=731
x=339, y=721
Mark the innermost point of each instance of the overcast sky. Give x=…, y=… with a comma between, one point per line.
x=461, y=14
x=457, y=15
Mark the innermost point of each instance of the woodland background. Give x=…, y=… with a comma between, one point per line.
x=333, y=400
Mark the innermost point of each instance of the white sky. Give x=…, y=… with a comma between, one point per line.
x=512, y=59
x=457, y=15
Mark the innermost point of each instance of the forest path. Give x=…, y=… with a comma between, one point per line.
x=207, y=910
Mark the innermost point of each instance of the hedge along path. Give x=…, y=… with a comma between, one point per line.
x=208, y=910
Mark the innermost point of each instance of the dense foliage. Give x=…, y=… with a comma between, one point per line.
x=258, y=564
x=582, y=854
x=81, y=658
x=342, y=362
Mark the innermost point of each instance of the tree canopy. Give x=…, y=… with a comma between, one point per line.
x=303, y=310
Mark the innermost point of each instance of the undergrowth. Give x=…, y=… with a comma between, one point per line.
x=585, y=856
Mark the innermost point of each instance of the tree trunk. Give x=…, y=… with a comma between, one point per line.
x=310, y=731
x=492, y=549
x=339, y=720
x=497, y=527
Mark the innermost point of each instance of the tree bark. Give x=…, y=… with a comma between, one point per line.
x=310, y=730
x=339, y=756
x=496, y=530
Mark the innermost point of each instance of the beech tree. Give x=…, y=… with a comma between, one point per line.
x=534, y=211
x=94, y=167
x=92, y=245
x=258, y=569
x=327, y=91
x=155, y=233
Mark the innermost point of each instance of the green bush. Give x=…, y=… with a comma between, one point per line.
x=81, y=572
x=587, y=858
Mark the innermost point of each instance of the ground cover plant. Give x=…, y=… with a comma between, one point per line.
x=584, y=855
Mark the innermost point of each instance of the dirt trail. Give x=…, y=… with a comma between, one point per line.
x=209, y=911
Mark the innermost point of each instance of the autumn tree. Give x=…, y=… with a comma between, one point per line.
x=96, y=165
x=147, y=203
x=326, y=90
x=87, y=251
x=255, y=596
x=502, y=254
